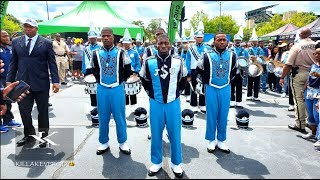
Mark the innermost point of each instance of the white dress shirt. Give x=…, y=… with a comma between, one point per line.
x=33, y=42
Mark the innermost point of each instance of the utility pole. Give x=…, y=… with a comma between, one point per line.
x=47, y=9
x=220, y=29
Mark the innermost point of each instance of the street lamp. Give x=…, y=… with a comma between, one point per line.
x=220, y=2
x=47, y=9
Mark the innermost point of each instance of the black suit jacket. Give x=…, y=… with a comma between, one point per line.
x=33, y=68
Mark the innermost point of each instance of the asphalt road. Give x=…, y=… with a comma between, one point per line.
x=268, y=149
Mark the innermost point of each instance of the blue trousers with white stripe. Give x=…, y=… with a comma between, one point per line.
x=217, y=105
x=111, y=100
x=168, y=115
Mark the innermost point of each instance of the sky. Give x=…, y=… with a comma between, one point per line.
x=147, y=10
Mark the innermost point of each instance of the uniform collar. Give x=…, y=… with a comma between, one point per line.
x=109, y=49
x=200, y=44
x=34, y=38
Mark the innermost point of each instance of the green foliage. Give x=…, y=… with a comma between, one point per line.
x=298, y=19
x=11, y=24
x=247, y=32
x=152, y=26
x=197, y=17
x=228, y=24
x=302, y=18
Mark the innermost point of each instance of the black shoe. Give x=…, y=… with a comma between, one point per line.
x=63, y=83
x=127, y=152
x=296, y=128
x=178, y=175
x=224, y=150
x=25, y=140
x=43, y=145
x=210, y=150
x=151, y=173
x=99, y=152
x=149, y=137
x=187, y=100
x=49, y=104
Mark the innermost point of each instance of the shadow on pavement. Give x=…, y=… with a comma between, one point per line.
x=266, y=104
x=6, y=138
x=40, y=155
x=188, y=152
x=259, y=113
x=122, y=167
x=238, y=164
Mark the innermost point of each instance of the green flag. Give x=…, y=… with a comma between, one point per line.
x=3, y=10
x=174, y=18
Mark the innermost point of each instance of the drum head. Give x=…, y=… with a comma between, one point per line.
x=90, y=79
x=242, y=62
x=270, y=67
x=278, y=71
x=255, y=70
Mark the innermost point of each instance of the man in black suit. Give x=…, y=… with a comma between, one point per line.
x=32, y=56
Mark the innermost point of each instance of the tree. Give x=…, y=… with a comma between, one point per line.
x=301, y=19
x=138, y=23
x=228, y=25
x=152, y=26
x=10, y=24
x=195, y=19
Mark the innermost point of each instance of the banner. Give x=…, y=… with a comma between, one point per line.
x=3, y=10
x=174, y=19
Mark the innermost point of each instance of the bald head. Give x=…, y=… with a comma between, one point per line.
x=5, y=38
x=305, y=33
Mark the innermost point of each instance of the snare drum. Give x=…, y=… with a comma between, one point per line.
x=91, y=84
x=133, y=85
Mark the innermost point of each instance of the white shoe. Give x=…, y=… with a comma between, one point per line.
x=223, y=147
x=155, y=167
x=308, y=136
x=103, y=146
x=283, y=95
x=256, y=99
x=317, y=144
x=249, y=98
x=176, y=168
x=291, y=108
x=202, y=108
x=232, y=103
x=124, y=146
x=212, y=146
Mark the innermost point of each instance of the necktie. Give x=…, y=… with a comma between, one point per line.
x=28, y=45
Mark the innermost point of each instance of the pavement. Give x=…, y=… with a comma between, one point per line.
x=267, y=149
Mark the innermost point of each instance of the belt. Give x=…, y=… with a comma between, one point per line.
x=60, y=55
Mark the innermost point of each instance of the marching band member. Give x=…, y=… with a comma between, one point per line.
x=111, y=67
x=87, y=66
x=254, y=82
x=164, y=78
x=236, y=84
x=193, y=55
x=185, y=47
x=135, y=68
x=139, y=46
x=217, y=69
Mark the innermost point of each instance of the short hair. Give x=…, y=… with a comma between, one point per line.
x=107, y=29
x=317, y=45
x=163, y=36
x=159, y=29
x=218, y=34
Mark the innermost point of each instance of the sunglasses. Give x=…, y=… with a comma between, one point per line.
x=199, y=37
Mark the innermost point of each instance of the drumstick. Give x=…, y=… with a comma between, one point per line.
x=191, y=86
